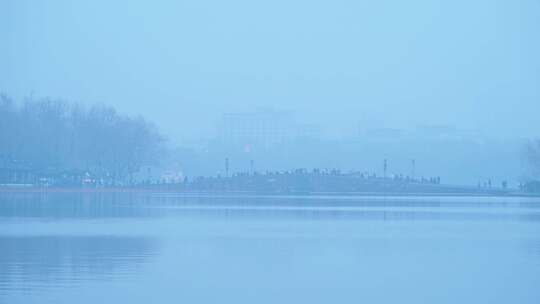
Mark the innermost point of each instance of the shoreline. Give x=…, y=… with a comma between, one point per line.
x=183, y=192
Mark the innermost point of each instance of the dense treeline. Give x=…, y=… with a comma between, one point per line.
x=54, y=137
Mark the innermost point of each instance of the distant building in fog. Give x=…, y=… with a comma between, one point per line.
x=430, y=133
x=383, y=133
x=263, y=128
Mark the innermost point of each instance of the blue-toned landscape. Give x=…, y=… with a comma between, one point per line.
x=246, y=152
x=163, y=248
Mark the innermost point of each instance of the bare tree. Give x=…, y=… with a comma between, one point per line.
x=8, y=133
x=55, y=136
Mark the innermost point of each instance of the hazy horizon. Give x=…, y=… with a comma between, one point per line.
x=339, y=65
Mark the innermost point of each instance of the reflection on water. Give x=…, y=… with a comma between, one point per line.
x=31, y=263
x=137, y=205
x=155, y=248
x=71, y=205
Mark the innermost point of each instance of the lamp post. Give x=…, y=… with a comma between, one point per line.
x=385, y=168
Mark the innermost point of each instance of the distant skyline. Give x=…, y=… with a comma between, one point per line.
x=391, y=64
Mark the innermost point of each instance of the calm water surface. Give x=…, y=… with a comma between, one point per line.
x=163, y=248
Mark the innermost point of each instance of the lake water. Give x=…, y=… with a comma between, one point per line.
x=165, y=248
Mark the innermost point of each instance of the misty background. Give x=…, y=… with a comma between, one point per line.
x=286, y=84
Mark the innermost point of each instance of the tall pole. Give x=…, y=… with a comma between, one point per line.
x=385, y=167
x=226, y=167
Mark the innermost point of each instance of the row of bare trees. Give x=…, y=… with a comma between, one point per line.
x=55, y=136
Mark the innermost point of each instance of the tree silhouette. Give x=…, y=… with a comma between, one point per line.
x=52, y=136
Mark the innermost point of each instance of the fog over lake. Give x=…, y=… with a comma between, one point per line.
x=460, y=77
x=269, y=151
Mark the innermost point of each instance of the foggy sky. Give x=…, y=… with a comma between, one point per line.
x=468, y=64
